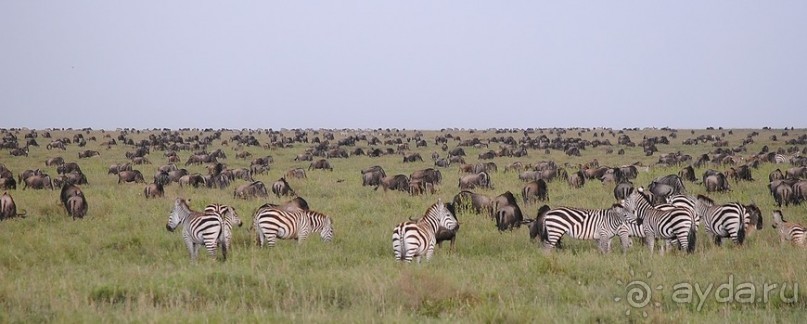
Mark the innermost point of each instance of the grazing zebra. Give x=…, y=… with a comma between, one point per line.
x=792, y=232
x=230, y=218
x=676, y=224
x=584, y=224
x=779, y=158
x=199, y=228
x=272, y=223
x=416, y=239
x=722, y=221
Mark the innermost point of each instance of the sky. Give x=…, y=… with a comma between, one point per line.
x=403, y=64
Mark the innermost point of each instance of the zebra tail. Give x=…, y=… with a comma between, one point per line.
x=691, y=238
x=403, y=248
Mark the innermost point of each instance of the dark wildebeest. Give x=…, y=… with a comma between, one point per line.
x=508, y=214
x=412, y=158
x=38, y=182
x=372, y=176
x=397, y=182
x=577, y=179
x=296, y=173
x=27, y=173
x=195, y=180
x=162, y=178
x=529, y=175
x=622, y=190
x=131, y=176
x=665, y=186
x=282, y=188
x=68, y=167
x=442, y=162
x=54, y=161
x=796, y=172
x=688, y=174
x=716, y=183
x=115, y=168
x=427, y=175
x=154, y=190
x=88, y=153
x=535, y=190
x=471, y=181
x=776, y=175
x=322, y=164
x=298, y=203
x=420, y=186
x=74, y=201
x=8, y=183
x=253, y=189
x=478, y=203
x=8, y=208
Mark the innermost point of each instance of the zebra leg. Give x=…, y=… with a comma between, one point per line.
x=650, y=241
x=429, y=251
x=718, y=240
x=626, y=242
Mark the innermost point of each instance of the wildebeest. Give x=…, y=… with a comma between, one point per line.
x=8, y=208
x=372, y=176
x=507, y=213
x=195, y=180
x=38, y=182
x=716, y=183
x=471, y=181
x=8, y=183
x=535, y=190
x=322, y=164
x=444, y=234
x=476, y=202
x=577, y=179
x=298, y=203
x=68, y=167
x=622, y=190
x=88, y=153
x=54, y=161
x=412, y=158
x=154, y=190
x=131, y=176
x=687, y=173
x=427, y=175
x=253, y=189
x=776, y=175
x=74, y=201
x=115, y=168
x=296, y=173
x=397, y=182
x=282, y=188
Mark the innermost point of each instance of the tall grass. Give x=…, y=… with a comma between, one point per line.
x=119, y=264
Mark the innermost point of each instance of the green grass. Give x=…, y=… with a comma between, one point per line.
x=119, y=264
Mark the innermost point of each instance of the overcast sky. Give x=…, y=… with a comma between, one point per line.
x=406, y=64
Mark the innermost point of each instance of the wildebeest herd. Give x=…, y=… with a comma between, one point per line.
x=662, y=209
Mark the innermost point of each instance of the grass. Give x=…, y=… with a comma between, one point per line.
x=119, y=264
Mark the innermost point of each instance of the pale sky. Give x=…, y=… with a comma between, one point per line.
x=405, y=64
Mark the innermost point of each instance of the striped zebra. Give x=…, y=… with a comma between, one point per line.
x=792, y=232
x=415, y=239
x=230, y=218
x=583, y=224
x=272, y=223
x=722, y=221
x=780, y=158
x=676, y=224
x=198, y=228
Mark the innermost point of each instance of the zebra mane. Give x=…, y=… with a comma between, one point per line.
x=182, y=209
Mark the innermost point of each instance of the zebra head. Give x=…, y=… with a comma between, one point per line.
x=445, y=218
x=631, y=206
x=621, y=212
x=232, y=217
x=178, y=214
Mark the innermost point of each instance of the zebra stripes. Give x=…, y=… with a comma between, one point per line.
x=792, y=232
x=198, y=228
x=676, y=224
x=229, y=218
x=272, y=223
x=584, y=224
x=722, y=221
x=414, y=240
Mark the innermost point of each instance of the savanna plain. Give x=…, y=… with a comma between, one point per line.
x=120, y=264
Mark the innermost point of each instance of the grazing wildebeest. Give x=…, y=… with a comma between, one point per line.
x=471, y=181
x=68, y=167
x=478, y=203
x=8, y=183
x=195, y=180
x=298, y=203
x=397, y=182
x=282, y=188
x=776, y=175
x=322, y=164
x=38, y=182
x=115, y=168
x=154, y=190
x=8, y=208
x=577, y=179
x=687, y=173
x=412, y=158
x=442, y=162
x=535, y=190
x=54, y=161
x=253, y=189
x=622, y=190
x=372, y=176
x=88, y=153
x=131, y=176
x=27, y=173
x=75, y=202
x=427, y=175
x=296, y=173
x=716, y=182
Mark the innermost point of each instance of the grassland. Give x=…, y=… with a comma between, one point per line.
x=119, y=264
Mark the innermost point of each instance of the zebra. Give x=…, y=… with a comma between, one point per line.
x=272, y=223
x=795, y=233
x=229, y=218
x=676, y=224
x=723, y=221
x=415, y=239
x=780, y=158
x=199, y=228
x=580, y=223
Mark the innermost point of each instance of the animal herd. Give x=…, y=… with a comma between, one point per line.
x=663, y=211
